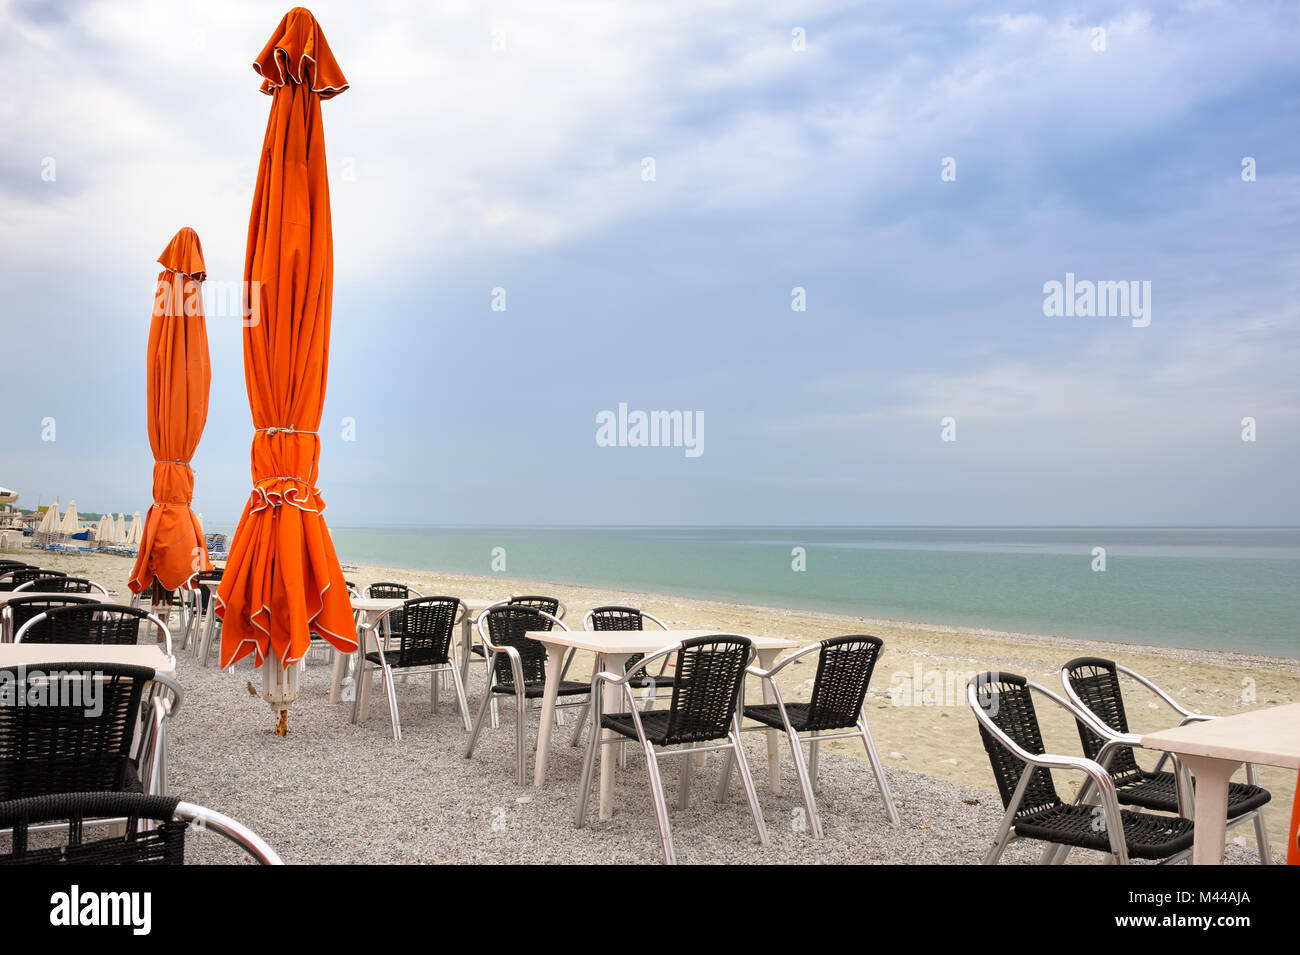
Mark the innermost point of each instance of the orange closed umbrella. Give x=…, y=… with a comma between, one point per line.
x=282, y=581
x=179, y=373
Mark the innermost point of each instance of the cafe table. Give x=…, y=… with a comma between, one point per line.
x=1214, y=749
x=613, y=649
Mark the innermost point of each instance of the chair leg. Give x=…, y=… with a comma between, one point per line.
x=684, y=783
x=582, y=721
x=390, y=690
x=435, y=679
x=356, y=688
x=751, y=793
x=805, y=784
x=588, y=770
x=814, y=751
x=461, y=702
x=661, y=806
x=878, y=770
x=478, y=723
x=1261, y=840
x=521, y=739
x=729, y=763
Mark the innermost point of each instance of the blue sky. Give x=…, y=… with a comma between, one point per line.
x=486, y=146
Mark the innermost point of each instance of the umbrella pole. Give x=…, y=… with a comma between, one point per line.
x=279, y=689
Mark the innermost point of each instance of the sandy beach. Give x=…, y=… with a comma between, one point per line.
x=916, y=707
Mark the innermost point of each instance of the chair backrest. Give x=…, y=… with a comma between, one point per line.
x=23, y=575
x=507, y=625
x=214, y=574
x=430, y=623
x=844, y=668
x=615, y=617
x=21, y=609
x=1006, y=700
x=710, y=673
x=8, y=565
x=549, y=605
x=78, y=738
x=1096, y=682
x=389, y=591
x=161, y=841
x=64, y=585
x=352, y=589
x=97, y=623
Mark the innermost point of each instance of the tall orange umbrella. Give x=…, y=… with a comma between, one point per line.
x=178, y=376
x=282, y=580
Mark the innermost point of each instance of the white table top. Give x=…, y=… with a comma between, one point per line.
x=59, y=654
x=1269, y=737
x=641, y=641
x=380, y=604
x=5, y=597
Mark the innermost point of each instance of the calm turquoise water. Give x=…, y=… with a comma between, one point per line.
x=1216, y=588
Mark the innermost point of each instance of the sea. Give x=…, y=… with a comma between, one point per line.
x=1217, y=588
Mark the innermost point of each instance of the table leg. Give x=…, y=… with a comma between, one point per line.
x=612, y=701
x=554, y=661
x=365, y=679
x=337, y=673
x=1211, y=810
x=466, y=641
x=766, y=660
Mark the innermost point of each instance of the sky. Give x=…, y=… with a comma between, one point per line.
x=645, y=187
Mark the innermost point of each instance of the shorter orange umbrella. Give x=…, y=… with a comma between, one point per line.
x=179, y=373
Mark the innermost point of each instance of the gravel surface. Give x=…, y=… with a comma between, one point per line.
x=331, y=792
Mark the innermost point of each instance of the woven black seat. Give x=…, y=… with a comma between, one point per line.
x=424, y=643
x=1004, y=708
x=74, y=741
x=162, y=842
x=769, y=714
x=535, y=691
x=1148, y=836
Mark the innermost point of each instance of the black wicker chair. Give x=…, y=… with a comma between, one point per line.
x=547, y=605
x=393, y=622
x=97, y=623
x=844, y=668
x=13, y=579
x=202, y=624
x=159, y=841
x=18, y=610
x=425, y=645
x=83, y=737
x=1004, y=711
x=710, y=673
x=1093, y=685
x=517, y=667
x=59, y=584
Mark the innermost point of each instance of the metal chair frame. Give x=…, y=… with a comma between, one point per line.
x=521, y=700
x=383, y=634
x=470, y=655
x=653, y=753
x=31, y=585
x=146, y=616
x=1114, y=741
x=807, y=771
x=1098, y=775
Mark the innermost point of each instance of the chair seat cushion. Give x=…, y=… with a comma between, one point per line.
x=1148, y=836
x=655, y=724
x=769, y=714
x=40, y=777
x=534, y=690
x=1159, y=791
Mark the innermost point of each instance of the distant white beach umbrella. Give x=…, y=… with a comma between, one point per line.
x=104, y=530
x=7, y=496
x=136, y=532
x=119, y=530
x=69, y=523
x=50, y=519
x=200, y=520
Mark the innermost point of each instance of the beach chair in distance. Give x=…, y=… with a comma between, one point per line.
x=1004, y=712
x=1093, y=685
x=517, y=667
x=93, y=624
x=63, y=746
x=201, y=623
x=702, y=716
x=425, y=645
x=155, y=828
x=18, y=610
x=844, y=668
x=62, y=585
